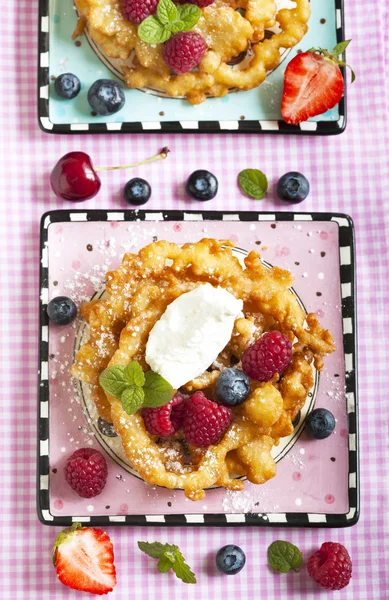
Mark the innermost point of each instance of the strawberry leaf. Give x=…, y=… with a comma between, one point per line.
x=340, y=48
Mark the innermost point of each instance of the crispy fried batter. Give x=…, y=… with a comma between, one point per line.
x=226, y=32
x=139, y=292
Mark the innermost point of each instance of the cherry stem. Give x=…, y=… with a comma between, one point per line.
x=163, y=154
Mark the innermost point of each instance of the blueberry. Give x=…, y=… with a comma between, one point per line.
x=202, y=185
x=232, y=387
x=61, y=310
x=320, y=423
x=230, y=559
x=137, y=191
x=67, y=86
x=293, y=187
x=106, y=96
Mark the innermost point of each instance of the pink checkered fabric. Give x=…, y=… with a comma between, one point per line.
x=348, y=174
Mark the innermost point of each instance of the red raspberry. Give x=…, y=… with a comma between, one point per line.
x=86, y=472
x=205, y=421
x=138, y=10
x=165, y=420
x=199, y=3
x=269, y=355
x=184, y=51
x=331, y=566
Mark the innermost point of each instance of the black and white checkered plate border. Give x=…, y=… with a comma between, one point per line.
x=241, y=126
x=348, y=291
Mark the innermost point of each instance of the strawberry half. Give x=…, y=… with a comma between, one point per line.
x=313, y=83
x=84, y=561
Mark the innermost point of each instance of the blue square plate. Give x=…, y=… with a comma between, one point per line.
x=253, y=111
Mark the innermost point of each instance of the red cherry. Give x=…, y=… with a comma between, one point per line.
x=74, y=178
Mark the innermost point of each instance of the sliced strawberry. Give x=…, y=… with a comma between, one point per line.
x=313, y=84
x=84, y=560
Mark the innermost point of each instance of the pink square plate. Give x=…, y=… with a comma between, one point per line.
x=316, y=482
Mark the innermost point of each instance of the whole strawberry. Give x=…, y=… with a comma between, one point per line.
x=313, y=83
x=205, y=421
x=331, y=566
x=83, y=559
x=137, y=11
x=86, y=472
x=184, y=51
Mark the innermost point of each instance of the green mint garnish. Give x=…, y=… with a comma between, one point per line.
x=169, y=19
x=132, y=399
x=253, y=183
x=134, y=388
x=157, y=390
x=169, y=557
x=284, y=556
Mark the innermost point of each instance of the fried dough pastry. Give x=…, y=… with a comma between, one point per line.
x=229, y=28
x=138, y=293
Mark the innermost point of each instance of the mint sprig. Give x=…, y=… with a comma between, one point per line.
x=284, y=556
x=253, y=183
x=169, y=557
x=134, y=388
x=169, y=19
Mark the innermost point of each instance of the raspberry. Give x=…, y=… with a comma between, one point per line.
x=86, y=472
x=269, y=355
x=205, y=421
x=138, y=10
x=165, y=420
x=184, y=51
x=331, y=566
x=199, y=3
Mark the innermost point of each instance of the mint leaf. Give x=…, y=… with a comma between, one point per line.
x=181, y=569
x=253, y=183
x=164, y=564
x=153, y=549
x=189, y=14
x=152, y=31
x=176, y=26
x=112, y=381
x=170, y=557
x=133, y=374
x=284, y=556
x=132, y=399
x=340, y=48
x=157, y=390
x=166, y=11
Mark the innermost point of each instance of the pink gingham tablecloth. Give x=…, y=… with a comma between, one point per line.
x=349, y=173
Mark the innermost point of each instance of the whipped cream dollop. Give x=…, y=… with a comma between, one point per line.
x=191, y=333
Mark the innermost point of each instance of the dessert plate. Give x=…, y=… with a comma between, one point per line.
x=316, y=482
x=257, y=110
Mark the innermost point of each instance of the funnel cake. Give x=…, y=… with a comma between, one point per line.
x=138, y=293
x=229, y=28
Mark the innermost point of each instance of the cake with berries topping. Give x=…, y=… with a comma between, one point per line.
x=207, y=364
x=193, y=49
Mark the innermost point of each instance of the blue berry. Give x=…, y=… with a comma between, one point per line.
x=320, y=423
x=106, y=97
x=67, y=86
x=137, y=191
x=293, y=187
x=232, y=387
x=230, y=559
x=202, y=185
x=61, y=310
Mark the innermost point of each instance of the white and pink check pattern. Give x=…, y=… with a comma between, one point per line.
x=348, y=174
